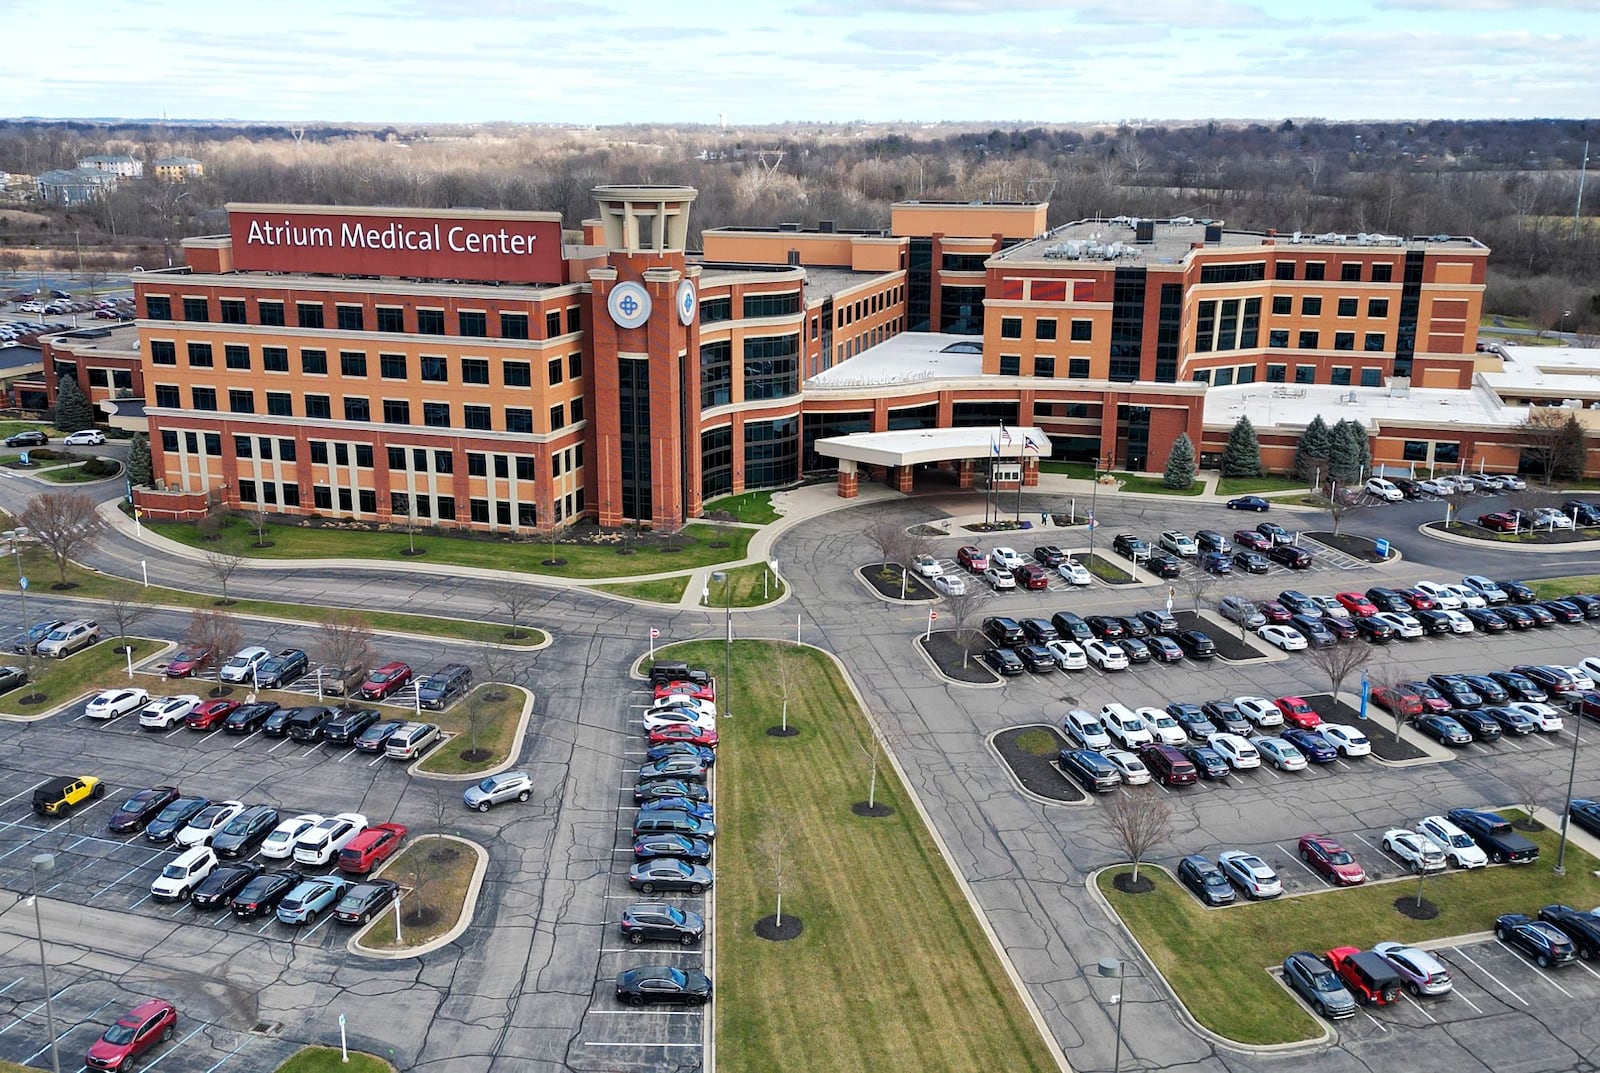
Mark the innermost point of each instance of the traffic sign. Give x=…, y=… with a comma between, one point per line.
x=23, y=582
x=933, y=616
x=654, y=633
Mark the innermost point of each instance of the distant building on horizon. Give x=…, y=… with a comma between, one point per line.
x=75, y=186
x=178, y=169
x=118, y=164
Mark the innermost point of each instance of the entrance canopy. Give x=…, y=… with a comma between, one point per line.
x=910, y=447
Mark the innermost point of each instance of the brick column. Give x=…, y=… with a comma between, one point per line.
x=902, y=479
x=964, y=473
x=849, y=479
x=1030, y=472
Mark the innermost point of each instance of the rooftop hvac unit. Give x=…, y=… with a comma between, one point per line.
x=825, y=226
x=1144, y=231
x=1213, y=234
x=794, y=258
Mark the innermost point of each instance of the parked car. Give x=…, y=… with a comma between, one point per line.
x=1317, y=631
x=240, y=667
x=444, y=686
x=1251, y=562
x=645, y=921
x=498, y=789
x=371, y=848
x=321, y=843
x=143, y=806
x=162, y=712
x=1250, y=874
x=134, y=1033
x=210, y=714
x=1000, y=579
x=111, y=703
x=1295, y=558
x=1196, y=644
x=1585, y=813
x=1241, y=609
x=68, y=638
x=1089, y=768
x=385, y=681
x=1216, y=562
x=245, y=831
x=1251, y=540
x=1541, y=940
x=1236, y=750
x=183, y=873
x=663, y=985
x=313, y=897
x=972, y=559
x=410, y=741
x=1279, y=753
x=1105, y=656
x=1179, y=543
x=667, y=844
x=1085, y=729
x=1168, y=765
x=363, y=901
x=1125, y=727
x=1006, y=558
x=927, y=566
x=1495, y=835
x=1331, y=861
x=1130, y=546
x=1049, y=555
x=1369, y=977
x=28, y=640
x=1129, y=767
x=205, y=824
x=1205, y=880
x=1260, y=711
x=281, y=669
x=260, y=896
x=1315, y=982
x=216, y=891
x=1457, y=846
x=345, y=725
x=249, y=718
x=1347, y=739
x=669, y=874
x=1003, y=661
x=189, y=660
x=1075, y=573
x=1312, y=745
x=174, y=818
x=1443, y=728
x=1068, y=655
x=1207, y=761
x=1286, y=638
x=944, y=585
x=1255, y=503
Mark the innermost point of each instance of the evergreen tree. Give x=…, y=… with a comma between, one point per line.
x=73, y=411
x=1311, y=453
x=1571, y=454
x=1242, y=456
x=139, y=462
x=1180, y=464
x=1344, y=452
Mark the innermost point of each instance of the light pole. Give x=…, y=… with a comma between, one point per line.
x=43, y=862
x=1112, y=967
x=725, y=692
x=1572, y=774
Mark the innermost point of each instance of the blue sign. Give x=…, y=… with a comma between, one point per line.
x=1366, y=693
x=1382, y=548
x=23, y=582
x=23, y=458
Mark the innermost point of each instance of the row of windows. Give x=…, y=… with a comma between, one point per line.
x=1077, y=368
x=1349, y=271
x=1311, y=306
x=1448, y=452
x=1044, y=329
x=478, y=418
x=473, y=324
x=414, y=459
x=354, y=364
x=1372, y=342
x=872, y=337
x=1338, y=375
x=850, y=312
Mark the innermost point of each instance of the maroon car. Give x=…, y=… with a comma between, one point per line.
x=386, y=681
x=1251, y=539
x=1275, y=612
x=1331, y=861
x=1500, y=522
x=210, y=714
x=1419, y=600
x=189, y=660
x=1031, y=576
x=135, y=1032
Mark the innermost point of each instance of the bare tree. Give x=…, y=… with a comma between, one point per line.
x=218, y=631
x=495, y=663
x=404, y=507
x=1456, y=500
x=1546, y=435
x=124, y=609
x=1343, y=503
x=1139, y=824
x=65, y=523
x=963, y=608
x=222, y=565
x=215, y=517
x=776, y=837
x=518, y=600
x=257, y=517
x=785, y=680
x=888, y=538
x=1199, y=583
x=1339, y=661
x=344, y=640
x=1530, y=787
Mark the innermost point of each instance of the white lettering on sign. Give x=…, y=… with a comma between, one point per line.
x=265, y=233
x=393, y=236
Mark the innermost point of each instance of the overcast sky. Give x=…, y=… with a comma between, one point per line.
x=767, y=61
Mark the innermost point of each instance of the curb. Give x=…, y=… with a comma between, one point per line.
x=469, y=907
x=1038, y=799
x=855, y=572
x=1436, y=753
x=923, y=652
x=10, y=717
x=510, y=761
x=1589, y=546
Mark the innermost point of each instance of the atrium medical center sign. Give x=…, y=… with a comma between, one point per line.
x=508, y=247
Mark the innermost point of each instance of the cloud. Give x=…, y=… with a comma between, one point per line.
x=1514, y=6
x=1182, y=13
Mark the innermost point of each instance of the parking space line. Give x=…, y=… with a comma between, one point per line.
x=242, y=1045
x=1296, y=858
x=33, y=1011
x=316, y=927
x=598, y=1044
x=12, y=984
x=1458, y=993
x=631, y=1011
x=63, y=1035
x=1419, y=1007
x=1381, y=1026
x=1591, y=972
x=23, y=793
x=280, y=745
x=1490, y=975
x=128, y=873
x=1547, y=977
x=246, y=739
x=196, y=1030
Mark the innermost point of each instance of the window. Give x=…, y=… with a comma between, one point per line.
x=555, y=463
x=167, y=396
x=1077, y=368
x=1414, y=451
x=1202, y=376
x=318, y=406
x=430, y=322
x=475, y=325
x=771, y=305
x=502, y=469
x=1010, y=365
x=574, y=319
x=516, y=373
x=445, y=508
x=200, y=355
x=157, y=307
x=1044, y=328
x=280, y=404
x=1339, y=376
x=275, y=359
x=1311, y=306
x=962, y=262
x=715, y=309
x=477, y=464
x=1282, y=305
x=1371, y=377
x=1278, y=337
x=558, y=415
x=321, y=497
x=1308, y=340
x=237, y=357
x=97, y=377
x=1344, y=340
x=575, y=407
x=1374, y=342
x=348, y=318
x=1221, y=377
x=1378, y=308
x=1305, y=374
x=1383, y=273
x=397, y=458
x=513, y=325
x=436, y=414
x=502, y=513
x=575, y=365
x=1044, y=367
x=1233, y=273
x=286, y=451
x=169, y=440
x=1283, y=270
x=357, y=409
x=163, y=352
x=519, y=419
x=1316, y=270
x=269, y=312
x=241, y=401
x=555, y=371
x=771, y=365
x=476, y=418
x=364, y=456
x=308, y=314
x=444, y=462
x=1448, y=453
x=396, y=412
x=1011, y=327
x=474, y=370
x=392, y=366
x=1350, y=272
x=264, y=448
x=247, y=490
x=1348, y=307
x=197, y=310
x=352, y=363
x=1082, y=331
x=716, y=374
x=204, y=398
x=525, y=468
x=391, y=319
x=319, y=453
x=314, y=362
x=552, y=324
x=214, y=444
x=232, y=310
x=435, y=369
x=1277, y=374
x=366, y=499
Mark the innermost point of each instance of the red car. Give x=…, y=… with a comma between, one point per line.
x=1407, y=702
x=1356, y=603
x=1499, y=522
x=971, y=558
x=210, y=714
x=371, y=848
x=134, y=1033
x=686, y=689
x=1430, y=698
x=189, y=660
x=1296, y=712
x=1031, y=576
x=1331, y=861
x=385, y=681
x=1419, y=600
x=1276, y=613
x=1253, y=540
x=684, y=732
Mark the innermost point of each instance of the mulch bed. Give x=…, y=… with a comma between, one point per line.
x=1229, y=646
x=1385, y=745
x=886, y=579
x=1537, y=536
x=1123, y=881
x=769, y=928
x=1038, y=773
x=875, y=810
x=1002, y=526
x=1352, y=544
x=947, y=655
x=1409, y=906
x=1114, y=568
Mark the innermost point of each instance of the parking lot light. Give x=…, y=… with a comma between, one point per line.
x=42, y=863
x=1572, y=774
x=725, y=689
x=1109, y=967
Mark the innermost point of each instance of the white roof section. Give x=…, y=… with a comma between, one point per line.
x=908, y=447
x=907, y=358
x=1292, y=406
x=1547, y=372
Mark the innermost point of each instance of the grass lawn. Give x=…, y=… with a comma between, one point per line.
x=667, y=590
x=444, y=897
x=1083, y=470
x=39, y=564
x=330, y=1060
x=497, y=731
x=1133, y=482
x=1235, y=996
x=582, y=560
x=73, y=475
x=1241, y=486
x=99, y=666
x=1302, y=499
x=747, y=590
x=1552, y=588
x=754, y=508
x=880, y=907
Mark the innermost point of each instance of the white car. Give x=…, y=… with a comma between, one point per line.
x=1106, y=655
x=1331, y=608
x=1345, y=738
x=1469, y=596
x=183, y=874
x=162, y=712
x=1086, y=730
x=242, y=664
x=1544, y=717
x=1510, y=482
x=1590, y=666
x=1125, y=727
x=1419, y=853
x=1404, y=625
x=1551, y=518
x=1130, y=767
x=1384, y=490
x=1435, y=487
x=1285, y=637
x=1250, y=874
x=669, y=717
x=1236, y=750
x=950, y=585
x=1581, y=678
x=1456, y=845
x=1179, y=543
x=280, y=843
x=927, y=566
x=1259, y=710
x=696, y=705
x=999, y=578
x=114, y=702
x=322, y=843
x=1280, y=753
x=207, y=822
x=1167, y=730
x=1459, y=623
x=88, y=437
x=1486, y=587
x=1444, y=597
x=1067, y=654
x=1075, y=573
x=1009, y=558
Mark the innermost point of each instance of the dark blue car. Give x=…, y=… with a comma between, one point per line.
x=1255, y=503
x=1317, y=749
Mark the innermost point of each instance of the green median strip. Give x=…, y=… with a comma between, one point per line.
x=667, y=590
x=55, y=681
x=324, y=1060
x=484, y=723
x=752, y=508
x=1553, y=588
x=751, y=585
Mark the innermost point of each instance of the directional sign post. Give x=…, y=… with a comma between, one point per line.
x=344, y=1049
x=932, y=618
x=654, y=633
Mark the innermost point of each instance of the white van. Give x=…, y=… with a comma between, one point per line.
x=1384, y=490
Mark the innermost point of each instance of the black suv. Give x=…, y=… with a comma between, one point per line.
x=248, y=718
x=1389, y=600
x=1129, y=546
x=1039, y=630
x=27, y=438
x=281, y=669
x=1205, y=880
x=346, y=726
x=1071, y=626
x=306, y=723
x=1495, y=835
x=1003, y=660
x=1195, y=644
x=658, y=920
x=1289, y=555
x=245, y=831
x=1003, y=631
x=1582, y=928
x=444, y=685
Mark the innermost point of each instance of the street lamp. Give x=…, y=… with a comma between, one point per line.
x=1565, y=313
x=725, y=692
x=1572, y=774
x=42, y=863
x=1112, y=967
